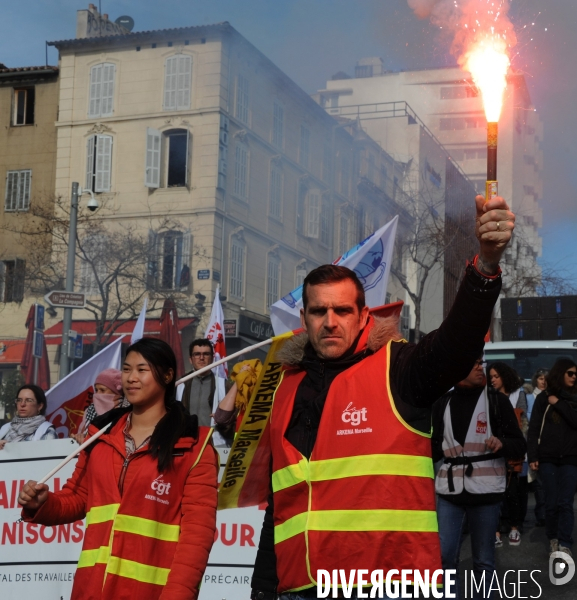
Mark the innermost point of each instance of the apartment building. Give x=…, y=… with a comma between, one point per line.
x=451, y=108
x=28, y=111
x=234, y=175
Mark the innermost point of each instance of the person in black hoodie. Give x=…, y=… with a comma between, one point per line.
x=552, y=443
x=470, y=484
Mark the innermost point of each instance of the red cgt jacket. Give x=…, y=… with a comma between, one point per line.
x=148, y=534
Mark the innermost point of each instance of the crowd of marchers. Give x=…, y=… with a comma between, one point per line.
x=399, y=495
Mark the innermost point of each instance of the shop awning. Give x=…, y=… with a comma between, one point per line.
x=87, y=328
x=11, y=351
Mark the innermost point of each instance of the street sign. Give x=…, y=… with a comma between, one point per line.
x=230, y=327
x=203, y=274
x=63, y=299
x=39, y=317
x=74, y=344
x=38, y=344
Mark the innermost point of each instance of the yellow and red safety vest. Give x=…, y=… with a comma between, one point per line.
x=131, y=538
x=366, y=498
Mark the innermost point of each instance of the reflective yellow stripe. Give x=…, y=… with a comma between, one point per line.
x=147, y=528
x=88, y=558
x=357, y=520
x=137, y=571
x=101, y=514
x=289, y=476
x=354, y=466
x=373, y=520
x=290, y=528
x=372, y=464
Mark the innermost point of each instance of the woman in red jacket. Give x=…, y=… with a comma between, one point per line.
x=148, y=490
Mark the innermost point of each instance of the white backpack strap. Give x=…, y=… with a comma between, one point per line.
x=41, y=431
x=4, y=430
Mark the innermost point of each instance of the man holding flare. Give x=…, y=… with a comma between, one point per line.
x=352, y=478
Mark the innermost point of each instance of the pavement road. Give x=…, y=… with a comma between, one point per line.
x=532, y=554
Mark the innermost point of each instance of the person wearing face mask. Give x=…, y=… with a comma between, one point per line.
x=107, y=395
x=29, y=424
x=552, y=450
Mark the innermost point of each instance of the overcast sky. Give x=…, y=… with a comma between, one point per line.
x=313, y=39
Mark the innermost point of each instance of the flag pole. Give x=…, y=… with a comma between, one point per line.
x=74, y=453
x=223, y=360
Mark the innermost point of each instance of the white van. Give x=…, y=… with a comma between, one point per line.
x=527, y=357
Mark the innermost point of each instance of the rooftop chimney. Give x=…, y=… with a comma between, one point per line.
x=90, y=23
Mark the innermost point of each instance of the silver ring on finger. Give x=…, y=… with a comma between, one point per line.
x=498, y=225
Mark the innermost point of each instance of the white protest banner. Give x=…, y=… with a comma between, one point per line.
x=35, y=560
x=231, y=560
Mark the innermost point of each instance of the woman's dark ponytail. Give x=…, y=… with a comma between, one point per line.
x=176, y=422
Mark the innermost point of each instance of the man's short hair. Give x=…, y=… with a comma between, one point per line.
x=200, y=342
x=333, y=274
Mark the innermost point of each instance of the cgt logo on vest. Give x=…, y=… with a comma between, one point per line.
x=481, y=423
x=354, y=417
x=161, y=488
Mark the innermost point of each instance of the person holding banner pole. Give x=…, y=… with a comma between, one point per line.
x=348, y=434
x=147, y=487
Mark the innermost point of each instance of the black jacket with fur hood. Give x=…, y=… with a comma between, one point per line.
x=419, y=375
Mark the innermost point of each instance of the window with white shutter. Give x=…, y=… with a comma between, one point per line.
x=276, y=182
x=300, y=275
x=272, y=280
x=325, y=221
x=152, y=267
x=344, y=233
x=241, y=172
x=313, y=214
x=237, y=253
x=177, y=82
x=242, y=99
x=304, y=148
x=177, y=152
x=98, y=163
x=101, y=94
x=278, y=125
x=169, y=260
x=18, y=190
x=152, y=167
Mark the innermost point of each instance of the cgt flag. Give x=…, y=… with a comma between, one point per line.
x=370, y=260
x=69, y=398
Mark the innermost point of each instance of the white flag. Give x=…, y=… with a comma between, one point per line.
x=68, y=399
x=215, y=333
x=370, y=260
x=138, y=331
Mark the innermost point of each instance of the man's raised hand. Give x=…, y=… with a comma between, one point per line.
x=494, y=228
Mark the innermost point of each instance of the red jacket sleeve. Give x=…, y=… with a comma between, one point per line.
x=67, y=505
x=197, y=529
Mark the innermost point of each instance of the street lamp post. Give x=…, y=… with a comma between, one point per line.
x=77, y=191
x=67, y=318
